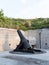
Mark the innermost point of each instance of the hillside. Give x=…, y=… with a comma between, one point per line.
x=24, y=24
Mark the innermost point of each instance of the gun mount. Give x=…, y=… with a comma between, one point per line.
x=24, y=45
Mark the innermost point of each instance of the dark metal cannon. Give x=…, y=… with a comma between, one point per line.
x=24, y=45
x=23, y=41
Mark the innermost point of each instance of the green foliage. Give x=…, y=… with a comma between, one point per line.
x=24, y=24
x=1, y=13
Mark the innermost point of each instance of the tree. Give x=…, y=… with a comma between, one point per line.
x=1, y=13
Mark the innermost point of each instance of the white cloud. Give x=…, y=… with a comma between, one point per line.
x=24, y=1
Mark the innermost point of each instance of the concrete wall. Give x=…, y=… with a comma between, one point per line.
x=33, y=37
x=45, y=38
x=39, y=37
x=9, y=38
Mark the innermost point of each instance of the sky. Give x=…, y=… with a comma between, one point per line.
x=25, y=8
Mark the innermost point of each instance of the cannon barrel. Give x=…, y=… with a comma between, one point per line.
x=20, y=35
x=24, y=41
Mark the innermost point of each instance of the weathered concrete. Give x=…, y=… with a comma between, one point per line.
x=39, y=37
x=7, y=58
x=9, y=38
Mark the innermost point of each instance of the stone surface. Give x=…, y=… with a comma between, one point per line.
x=7, y=58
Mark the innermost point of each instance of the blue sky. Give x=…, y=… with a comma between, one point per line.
x=25, y=8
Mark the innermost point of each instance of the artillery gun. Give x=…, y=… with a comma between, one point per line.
x=24, y=45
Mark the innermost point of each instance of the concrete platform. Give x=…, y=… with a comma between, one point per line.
x=7, y=58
